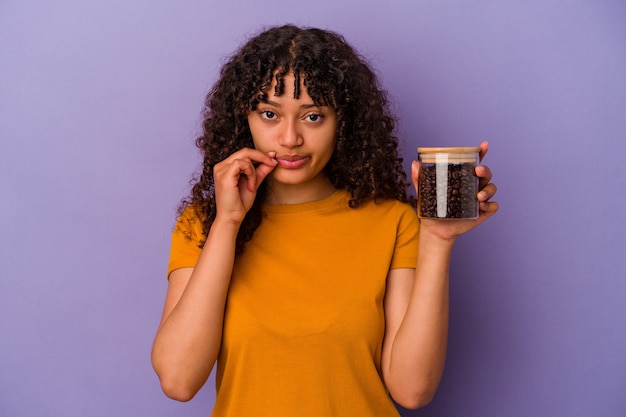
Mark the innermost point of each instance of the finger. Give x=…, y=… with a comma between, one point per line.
x=245, y=166
x=233, y=170
x=236, y=161
x=263, y=170
x=484, y=175
x=253, y=155
x=484, y=148
x=487, y=192
x=484, y=172
x=248, y=175
x=488, y=208
x=415, y=173
x=234, y=173
x=236, y=155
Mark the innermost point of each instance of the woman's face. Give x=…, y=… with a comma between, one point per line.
x=302, y=135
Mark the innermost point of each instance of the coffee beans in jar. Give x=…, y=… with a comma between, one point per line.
x=448, y=184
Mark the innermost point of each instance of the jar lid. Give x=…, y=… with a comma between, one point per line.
x=449, y=150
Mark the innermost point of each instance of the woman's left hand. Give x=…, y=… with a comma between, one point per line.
x=451, y=229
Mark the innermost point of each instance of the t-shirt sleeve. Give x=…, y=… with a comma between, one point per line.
x=186, y=238
x=405, y=252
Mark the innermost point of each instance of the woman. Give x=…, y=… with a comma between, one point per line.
x=294, y=262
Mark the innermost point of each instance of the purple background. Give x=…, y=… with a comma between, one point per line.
x=99, y=107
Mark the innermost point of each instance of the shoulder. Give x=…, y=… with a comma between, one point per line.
x=187, y=238
x=189, y=223
x=394, y=207
x=390, y=214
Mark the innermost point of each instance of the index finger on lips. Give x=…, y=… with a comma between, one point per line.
x=232, y=170
x=253, y=155
x=245, y=166
x=243, y=169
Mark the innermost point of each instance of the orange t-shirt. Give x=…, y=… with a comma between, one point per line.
x=304, y=319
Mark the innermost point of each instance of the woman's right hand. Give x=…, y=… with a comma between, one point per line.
x=237, y=179
x=189, y=338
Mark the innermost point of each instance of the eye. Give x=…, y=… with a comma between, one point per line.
x=268, y=114
x=314, y=117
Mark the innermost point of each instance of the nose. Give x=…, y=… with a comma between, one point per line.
x=290, y=136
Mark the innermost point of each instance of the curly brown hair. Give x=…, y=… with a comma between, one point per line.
x=365, y=161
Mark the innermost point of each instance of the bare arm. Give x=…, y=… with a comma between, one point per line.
x=416, y=304
x=189, y=337
x=416, y=310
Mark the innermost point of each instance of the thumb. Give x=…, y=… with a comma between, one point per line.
x=262, y=171
x=415, y=173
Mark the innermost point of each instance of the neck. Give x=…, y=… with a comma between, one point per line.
x=296, y=194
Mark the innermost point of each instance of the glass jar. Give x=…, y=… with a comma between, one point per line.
x=447, y=185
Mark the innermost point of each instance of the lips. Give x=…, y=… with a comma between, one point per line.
x=292, y=161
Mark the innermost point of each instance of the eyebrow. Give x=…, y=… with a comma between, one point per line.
x=276, y=104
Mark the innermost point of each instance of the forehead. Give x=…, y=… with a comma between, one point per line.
x=283, y=84
x=287, y=86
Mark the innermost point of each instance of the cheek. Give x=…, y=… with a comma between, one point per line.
x=331, y=142
x=332, y=137
x=257, y=135
x=328, y=151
